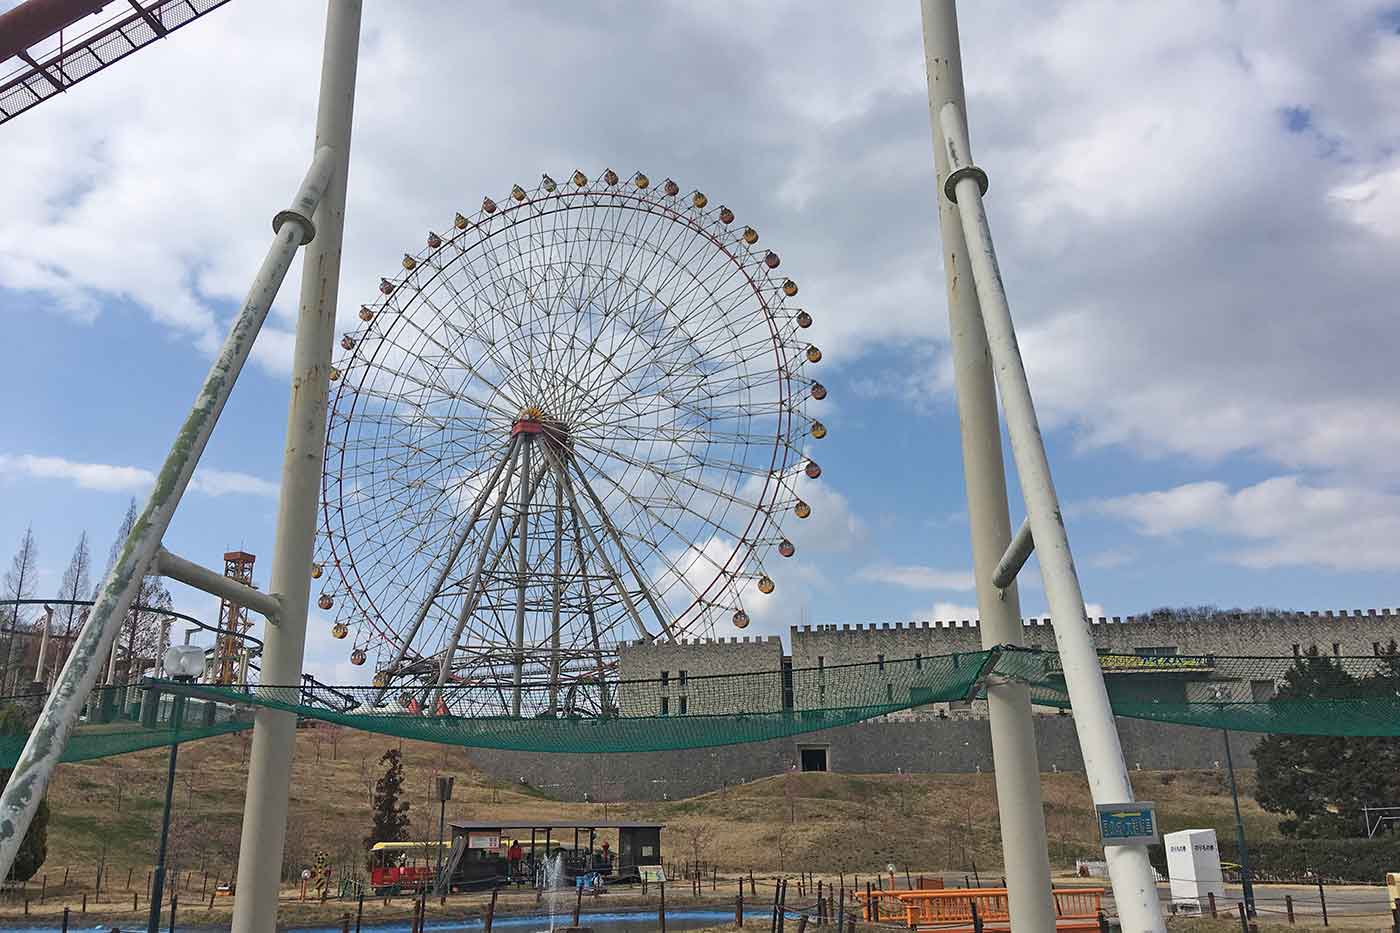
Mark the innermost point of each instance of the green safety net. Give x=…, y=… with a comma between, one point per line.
x=1310, y=694
x=112, y=723
x=1316, y=695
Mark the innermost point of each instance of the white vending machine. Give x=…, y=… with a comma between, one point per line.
x=1193, y=865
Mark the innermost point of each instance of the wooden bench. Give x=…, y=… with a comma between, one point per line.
x=950, y=911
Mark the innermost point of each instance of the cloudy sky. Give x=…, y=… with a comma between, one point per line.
x=1198, y=219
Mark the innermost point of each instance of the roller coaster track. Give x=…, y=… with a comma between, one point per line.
x=41, y=23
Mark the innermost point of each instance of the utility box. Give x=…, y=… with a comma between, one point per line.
x=1193, y=865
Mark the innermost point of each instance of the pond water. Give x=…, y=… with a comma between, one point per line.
x=610, y=922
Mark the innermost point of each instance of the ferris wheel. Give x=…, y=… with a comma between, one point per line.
x=573, y=419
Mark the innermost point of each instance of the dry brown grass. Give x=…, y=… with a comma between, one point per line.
x=815, y=822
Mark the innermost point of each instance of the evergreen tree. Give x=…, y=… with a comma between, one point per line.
x=1322, y=782
x=391, y=820
x=18, y=584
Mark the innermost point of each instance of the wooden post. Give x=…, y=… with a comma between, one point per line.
x=133, y=902
x=782, y=907
x=753, y=887
x=578, y=901
x=65, y=920
x=976, y=917
x=870, y=912
x=84, y=903
x=1244, y=919
x=26, y=907
x=65, y=877
x=661, y=909
x=841, y=910
x=1210, y=898
x=714, y=877
x=1322, y=896
x=739, y=907
x=211, y=900
x=1288, y=905
x=490, y=910
x=174, y=902
x=909, y=882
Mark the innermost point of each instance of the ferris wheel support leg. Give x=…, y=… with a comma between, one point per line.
x=95, y=646
x=556, y=598
x=598, y=549
x=1017, y=771
x=274, y=732
x=588, y=607
x=436, y=590
x=521, y=569
x=626, y=555
x=470, y=598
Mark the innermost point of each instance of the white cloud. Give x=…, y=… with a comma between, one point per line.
x=917, y=577
x=105, y=477
x=1282, y=521
x=99, y=476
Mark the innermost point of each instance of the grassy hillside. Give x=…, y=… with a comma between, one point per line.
x=109, y=811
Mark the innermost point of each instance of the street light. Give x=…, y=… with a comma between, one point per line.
x=444, y=794
x=1246, y=882
x=183, y=663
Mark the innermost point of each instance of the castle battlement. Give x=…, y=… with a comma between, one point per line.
x=1281, y=617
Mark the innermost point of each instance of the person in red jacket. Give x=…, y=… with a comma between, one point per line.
x=515, y=855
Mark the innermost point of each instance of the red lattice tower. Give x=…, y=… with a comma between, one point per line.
x=233, y=620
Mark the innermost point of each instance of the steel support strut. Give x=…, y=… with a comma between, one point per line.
x=470, y=598
x=522, y=573
x=1134, y=885
x=274, y=732
x=92, y=648
x=436, y=589
x=1026, y=855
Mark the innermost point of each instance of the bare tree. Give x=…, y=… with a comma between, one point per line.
x=141, y=637
x=18, y=584
x=76, y=585
x=698, y=834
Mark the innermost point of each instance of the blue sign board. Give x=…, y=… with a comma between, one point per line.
x=1128, y=824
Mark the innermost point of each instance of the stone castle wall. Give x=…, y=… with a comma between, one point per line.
x=684, y=666
x=1359, y=632
x=953, y=746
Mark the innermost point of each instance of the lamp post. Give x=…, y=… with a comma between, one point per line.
x=183, y=663
x=444, y=794
x=1246, y=882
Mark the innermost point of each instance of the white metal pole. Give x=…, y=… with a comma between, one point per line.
x=98, y=635
x=1134, y=887
x=274, y=732
x=1025, y=850
x=40, y=670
